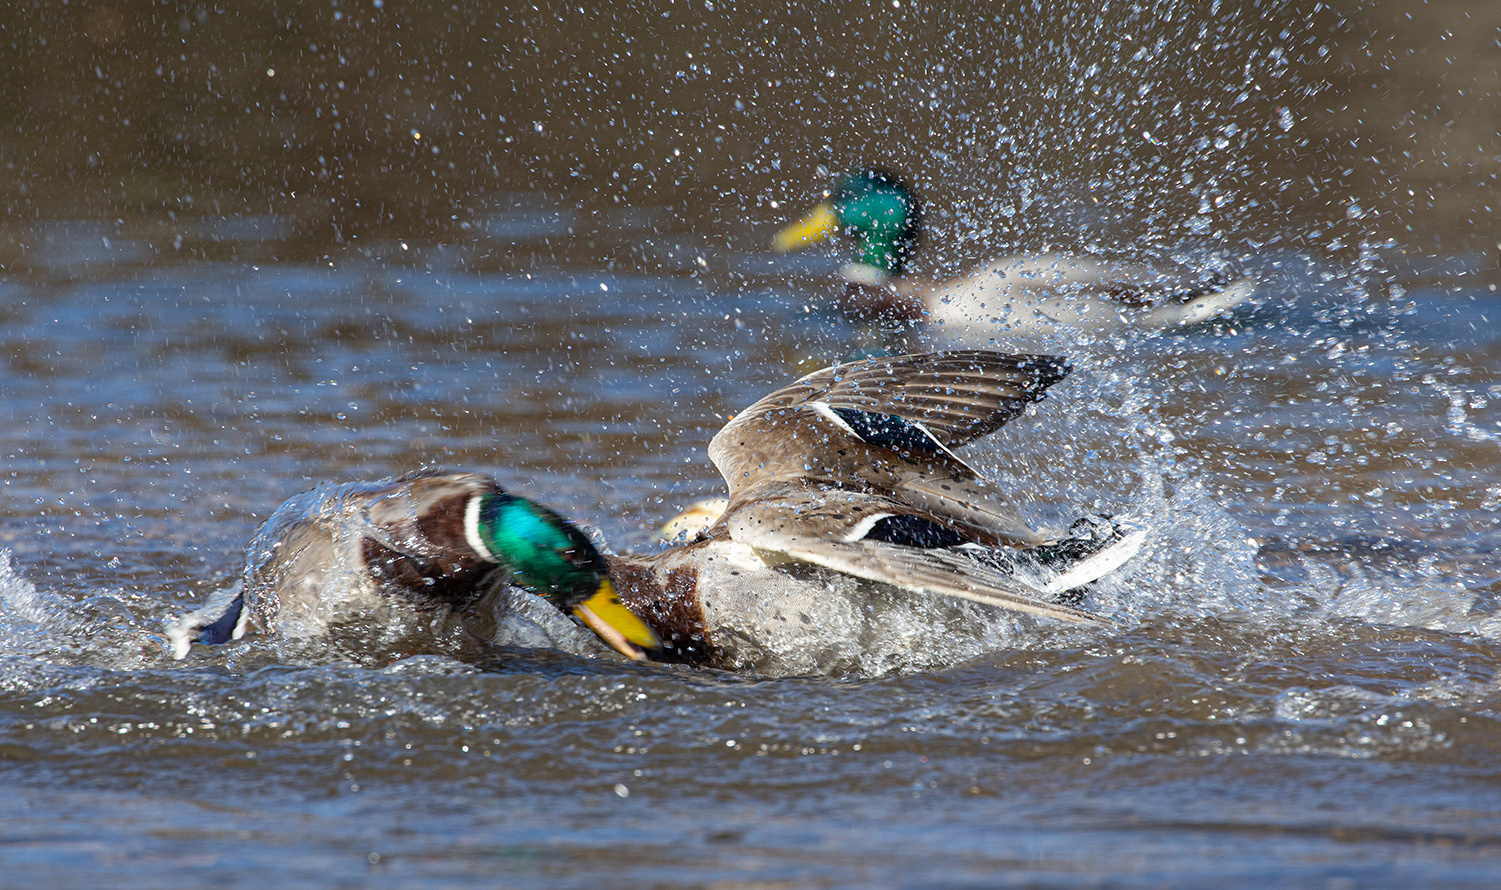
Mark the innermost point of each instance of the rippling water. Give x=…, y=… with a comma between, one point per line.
x=1301, y=689
x=323, y=254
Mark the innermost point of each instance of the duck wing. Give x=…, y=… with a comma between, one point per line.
x=882, y=540
x=957, y=397
x=888, y=425
x=426, y=515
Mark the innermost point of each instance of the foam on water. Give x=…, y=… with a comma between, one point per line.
x=107, y=628
x=1159, y=429
x=1116, y=437
x=26, y=614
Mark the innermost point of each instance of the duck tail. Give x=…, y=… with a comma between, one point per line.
x=199, y=627
x=1093, y=548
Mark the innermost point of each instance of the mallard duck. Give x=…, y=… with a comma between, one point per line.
x=448, y=546
x=1014, y=296
x=845, y=494
x=847, y=505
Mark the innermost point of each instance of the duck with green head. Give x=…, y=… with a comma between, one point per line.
x=450, y=546
x=1014, y=296
x=853, y=539
x=851, y=525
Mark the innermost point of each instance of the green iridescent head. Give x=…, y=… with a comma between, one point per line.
x=544, y=552
x=549, y=555
x=874, y=207
x=878, y=210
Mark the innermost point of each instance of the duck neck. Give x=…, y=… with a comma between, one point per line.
x=871, y=295
x=668, y=601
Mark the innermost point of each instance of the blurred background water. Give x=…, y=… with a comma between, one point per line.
x=250, y=247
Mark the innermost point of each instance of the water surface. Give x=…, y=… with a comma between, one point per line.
x=1300, y=687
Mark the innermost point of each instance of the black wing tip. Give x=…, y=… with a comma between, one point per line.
x=1048, y=370
x=982, y=357
x=1042, y=371
x=1051, y=368
x=197, y=628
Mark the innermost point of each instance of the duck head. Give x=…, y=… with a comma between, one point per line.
x=548, y=555
x=875, y=208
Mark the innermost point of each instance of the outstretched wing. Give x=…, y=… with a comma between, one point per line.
x=952, y=398
x=888, y=424
x=880, y=540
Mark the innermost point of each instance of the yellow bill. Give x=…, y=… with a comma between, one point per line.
x=607, y=616
x=820, y=222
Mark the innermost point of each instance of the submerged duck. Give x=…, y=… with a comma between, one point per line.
x=850, y=524
x=448, y=547
x=1019, y=295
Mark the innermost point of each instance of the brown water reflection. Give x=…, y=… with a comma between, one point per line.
x=1365, y=122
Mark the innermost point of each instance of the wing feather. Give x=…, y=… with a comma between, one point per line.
x=821, y=527
x=957, y=396
x=926, y=571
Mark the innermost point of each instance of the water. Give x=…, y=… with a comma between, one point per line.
x=1300, y=688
